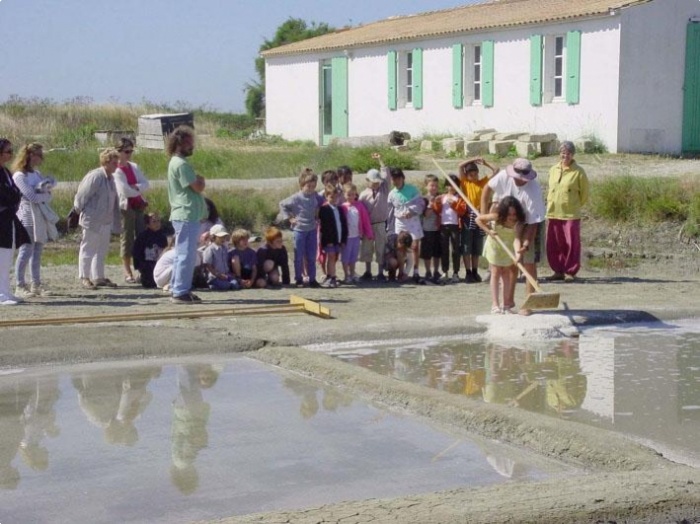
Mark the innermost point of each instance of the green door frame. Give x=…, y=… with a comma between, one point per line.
x=333, y=94
x=691, y=90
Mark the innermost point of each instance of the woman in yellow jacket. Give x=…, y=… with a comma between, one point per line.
x=568, y=192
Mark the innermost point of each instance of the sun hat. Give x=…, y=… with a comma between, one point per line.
x=521, y=169
x=373, y=176
x=217, y=230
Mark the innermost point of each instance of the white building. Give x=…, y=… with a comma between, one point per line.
x=624, y=71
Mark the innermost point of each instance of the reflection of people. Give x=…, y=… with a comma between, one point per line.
x=568, y=192
x=567, y=389
x=309, y=401
x=96, y=200
x=189, y=429
x=113, y=401
x=16, y=393
x=39, y=420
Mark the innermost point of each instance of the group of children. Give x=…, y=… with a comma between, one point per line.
x=393, y=227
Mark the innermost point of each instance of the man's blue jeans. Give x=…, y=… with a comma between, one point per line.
x=186, y=241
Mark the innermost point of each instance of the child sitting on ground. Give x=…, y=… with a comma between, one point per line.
x=302, y=211
x=396, y=253
x=148, y=247
x=334, y=232
x=272, y=258
x=243, y=260
x=359, y=227
x=451, y=208
x=215, y=259
x=508, y=222
x=430, y=246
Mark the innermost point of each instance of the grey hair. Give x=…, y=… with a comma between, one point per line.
x=569, y=146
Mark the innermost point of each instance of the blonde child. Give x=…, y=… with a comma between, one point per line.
x=273, y=259
x=215, y=260
x=508, y=222
x=302, y=211
x=450, y=208
x=430, y=246
x=359, y=227
x=243, y=259
x=334, y=232
x=472, y=237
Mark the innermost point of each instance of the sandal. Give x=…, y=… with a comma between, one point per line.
x=129, y=279
x=496, y=310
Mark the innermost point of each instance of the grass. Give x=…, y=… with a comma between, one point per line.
x=653, y=199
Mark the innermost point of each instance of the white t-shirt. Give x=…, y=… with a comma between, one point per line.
x=529, y=195
x=448, y=216
x=353, y=218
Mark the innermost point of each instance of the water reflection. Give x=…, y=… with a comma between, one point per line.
x=113, y=401
x=190, y=418
x=308, y=393
x=26, y=418
x=642, y=381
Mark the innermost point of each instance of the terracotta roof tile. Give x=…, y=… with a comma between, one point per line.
x=493, y=14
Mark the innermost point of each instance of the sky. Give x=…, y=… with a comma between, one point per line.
x=200, y=52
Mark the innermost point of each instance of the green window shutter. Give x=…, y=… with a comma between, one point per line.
x=458, y=76
x=573, y=67
x=339, y=75
x=391, y=59
x=487, y=52
x=536, y=70
x=418, y=78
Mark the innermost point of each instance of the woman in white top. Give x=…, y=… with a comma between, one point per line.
x=33, y=210
x=131, y=184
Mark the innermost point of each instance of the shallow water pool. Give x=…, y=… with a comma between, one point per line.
x=187, y=440
x=639, y=380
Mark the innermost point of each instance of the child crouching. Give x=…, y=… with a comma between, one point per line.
x=273, y=260
x=215, y=259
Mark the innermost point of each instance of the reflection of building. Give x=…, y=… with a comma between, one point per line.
x=645, y=384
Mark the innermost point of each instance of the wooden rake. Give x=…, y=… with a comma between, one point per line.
x=296, y=305
x=537, y=300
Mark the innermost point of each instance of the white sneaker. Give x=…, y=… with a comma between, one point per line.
x=23, y=291
x=8, y=302
x=40, y=291
x=455, y=278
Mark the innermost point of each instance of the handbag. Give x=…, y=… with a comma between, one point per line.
x=73, y=219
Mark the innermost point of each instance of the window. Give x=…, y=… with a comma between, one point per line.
x=555, y=68
x=406, y=79
x=476, y=68
x=472, y=74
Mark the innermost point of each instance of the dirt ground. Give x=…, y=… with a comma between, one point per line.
x=630, y=274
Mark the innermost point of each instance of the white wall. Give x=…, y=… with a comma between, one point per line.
x=652, y=75
x=368, y=83
x=292, y=97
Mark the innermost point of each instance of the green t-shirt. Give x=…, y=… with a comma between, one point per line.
x=185, y=204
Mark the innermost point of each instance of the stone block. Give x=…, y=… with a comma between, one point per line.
x=525, y=149
x=550, y=148
x=452, y=145
x=584, y=145
x=476, y=148
x=483, y=131
x=500, y=147
x=427, y=145
x=529, y=137
x=469, y=137
x=508, y=136
x=402, y=147
x=487, y=136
